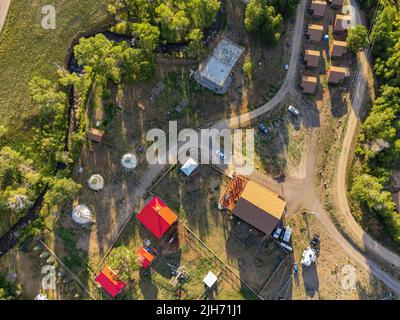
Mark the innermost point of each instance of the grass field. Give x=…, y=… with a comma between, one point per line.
x=26, y=49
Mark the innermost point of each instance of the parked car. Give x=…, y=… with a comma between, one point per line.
x=294, y=111
x=263, y=129
x=221, y=155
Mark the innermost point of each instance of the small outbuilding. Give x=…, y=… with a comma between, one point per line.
x=396, y=199
x=129, y=161
x=309, y=84
x=210, y=280
x=337, y=74
x=157, y=217
x=315, y=32
x=109, y=281
x=312, y=57
x=189, y=167
x=338, y=48
x=82, y=215
x=318, y=8
x=309, y=257
x=96, y=182
x=96, y=135
x=145, y=257
x=342, y=23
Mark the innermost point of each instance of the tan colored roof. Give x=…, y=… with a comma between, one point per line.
x=312, y=58
x=342, y=22
x=264, y=199
x=337, y=74
x=318, y=8
x=309, y=84
x=315, y=32
x=338, y=48
x=96, y=135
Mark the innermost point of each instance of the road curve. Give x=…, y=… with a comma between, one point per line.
x=4, y=6
x=343, y=162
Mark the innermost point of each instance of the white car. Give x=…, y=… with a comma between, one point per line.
x=294, y=111
x=221, y=155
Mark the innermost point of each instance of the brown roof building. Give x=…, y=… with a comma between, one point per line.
x=337, y=74
x=311, y=57
x=309, y=84
x=338, y=48
x=342, y=23
x=337, y=3
x=315, y=32
x=96, y=135
x=318, y=8
x=254, y=204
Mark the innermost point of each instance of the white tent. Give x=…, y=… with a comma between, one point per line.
x=82, y=215
x=129, y=161
x=309, y=257
x=189, y=167
x=96, y=182
x=210, y=279
x=41, y=297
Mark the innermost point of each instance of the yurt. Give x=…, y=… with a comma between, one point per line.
x=82, y=215
x=96, y=182
x=129, y=161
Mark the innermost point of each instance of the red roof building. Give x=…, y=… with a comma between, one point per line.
x=145, y=257
x=108, y=279
x=157, y=217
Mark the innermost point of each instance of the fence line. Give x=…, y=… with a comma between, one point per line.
x=227, y=272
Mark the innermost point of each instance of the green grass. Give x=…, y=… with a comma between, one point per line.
x=26, y=49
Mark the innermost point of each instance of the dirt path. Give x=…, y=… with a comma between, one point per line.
x=4, y=6
x=343, y=162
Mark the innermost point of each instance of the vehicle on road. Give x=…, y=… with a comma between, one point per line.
x=263, y=129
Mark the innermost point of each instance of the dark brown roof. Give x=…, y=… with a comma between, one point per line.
x=309, y=84
x=338, y=48
x=315, y=32
x=342, y=23
x=312, y=58
x=337, y=74
x=318, y=8
x=255, y=216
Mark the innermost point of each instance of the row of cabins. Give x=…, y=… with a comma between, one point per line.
x=337, y=49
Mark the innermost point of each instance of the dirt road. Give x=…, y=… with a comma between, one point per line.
x=4, y=5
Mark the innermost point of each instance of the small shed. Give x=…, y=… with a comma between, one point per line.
x=315, y=32
x=145, y=257
x=109, y=281
x=181, y=106
x=159, y=87
x=312, y=57
x=96, y=135
x=309, y=84
x=342, y=23
x=189, y=167
x=318, y=8
x=337, y=74
x=157, y=217
x=210, y=280
x=338, y=48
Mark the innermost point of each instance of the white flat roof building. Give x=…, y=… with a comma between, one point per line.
x=214, y=74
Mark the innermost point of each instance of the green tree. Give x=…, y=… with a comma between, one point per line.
x=124, y=262
x=196, y=45
x=357, y=38
x=270, y=30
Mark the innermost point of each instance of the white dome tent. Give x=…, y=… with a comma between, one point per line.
x=129, y=161
x=82, y=215
x=96, y=182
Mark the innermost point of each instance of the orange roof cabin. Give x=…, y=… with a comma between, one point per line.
x=145, y=257
x=337, y=3
x=337, y=74
x=254, y=204
x=157, y=217
x=108, y=280
x=338, y=48
x=311, y=57
x=318, y=8
x=342, y=23
x=96, y=135
x=309, y=84
x=315, y=32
